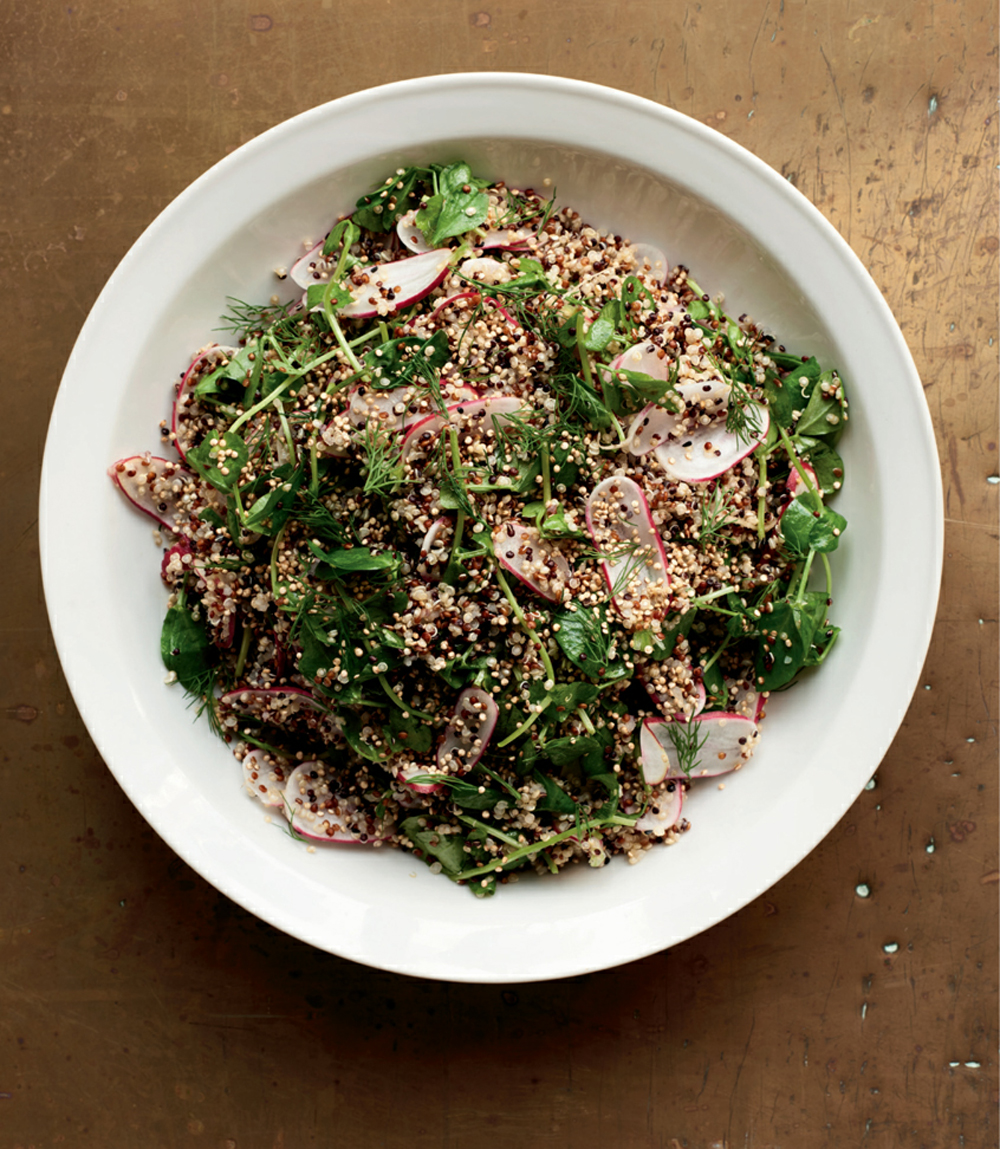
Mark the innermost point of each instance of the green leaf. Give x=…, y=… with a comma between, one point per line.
x=795, y=625
x=186, y=650
x=379, y=212
x=585, y=638
x=602, y=330
x=825, y=461
x=397, y=361
x=823, y=415
x=808, y=525
x=270, y=512
x=562, y=751
x=205, y=460
x=318, y=293
x=448, y=849
x=408, y=732
x=345, y=234
x=458, y=207
x=556, y=800
x=355, y=559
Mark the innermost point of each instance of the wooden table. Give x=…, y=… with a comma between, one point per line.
x=138, y=1007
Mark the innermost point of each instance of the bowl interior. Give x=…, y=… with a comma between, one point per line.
x=655, y=177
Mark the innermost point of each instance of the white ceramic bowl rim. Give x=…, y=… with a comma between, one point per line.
x=372, y=909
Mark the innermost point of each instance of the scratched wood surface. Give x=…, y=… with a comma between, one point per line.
x=140, y=1008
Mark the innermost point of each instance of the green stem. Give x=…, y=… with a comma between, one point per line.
x=285, y=426
x=528, y=629
x=523, y=852
x=526, y=725
x=313, y=468
x=587, y=724
x=829, y=575
x=546, y=475
x=394, y=697
x=702, y=599
x=244, y=651
x=258, y=407
x=800, y=596
x=762, y=497
x=796, y=462
x=584, y=357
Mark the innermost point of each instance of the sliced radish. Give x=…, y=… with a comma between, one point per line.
x=472, y=296
x=387, y=408
x=313, y=267
x=258, y=700
x=645, y=357
x=203, y=364
x=621, y=525
x=748, y=703
x=285, y=706
x=435, y=548
x=664, y=809
x=707, y=452
x=410, y=235
x=315, y=812
x=680, y=699
x=655, y=423
x=265, y=781
x=795, y=485
x=398, y=284
x=155, y=486
x=486, y=270
x=651, y=260
x=506, y=237
x=497, y=306
x=727, y=741
x=412, y=770
x=471, y=413
x=469, y=731
x=538, y=563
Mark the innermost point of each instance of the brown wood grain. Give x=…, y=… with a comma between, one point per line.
x=138, y=1007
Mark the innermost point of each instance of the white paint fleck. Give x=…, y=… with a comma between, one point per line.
x=862, y=890
x=972, y=1065
x=890, y=947
x=930, y=847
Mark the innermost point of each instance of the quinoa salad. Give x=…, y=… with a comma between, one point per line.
x=496, y=539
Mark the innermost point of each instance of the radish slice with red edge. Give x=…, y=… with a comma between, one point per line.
x=708, y=452
x=621, y=525
x=258, y=700
x=536, y=562
x=412, y=770
x=472, y=296
x=795, y=485
x=155, y=486
x=656, y=423
x=469, y=731
x=410, y=236
x=313, y=267
x=650, y=260
x=727, y=741
x=203, y=364
x=397, y=284
x=467, y=413
x=265, y=781
x=664, y=809
x=497, y=306
x=316, y=813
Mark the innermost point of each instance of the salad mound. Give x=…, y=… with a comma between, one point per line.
x=496, y=540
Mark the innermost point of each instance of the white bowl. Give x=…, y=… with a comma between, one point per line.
x=650, y=174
